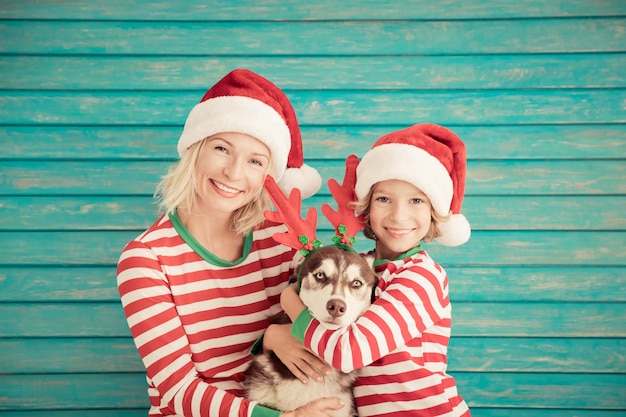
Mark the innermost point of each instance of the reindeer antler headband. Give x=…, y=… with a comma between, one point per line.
x=301, y=234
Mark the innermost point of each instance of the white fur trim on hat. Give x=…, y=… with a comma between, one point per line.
x=455, y=231
x=239, y=114
x=400, y=161
x=305, y=178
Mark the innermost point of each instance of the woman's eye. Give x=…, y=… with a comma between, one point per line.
x=417, y=201
x=221, y=149
x=256, y=162
x=382, y=199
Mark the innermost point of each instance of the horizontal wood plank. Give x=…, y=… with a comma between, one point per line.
x=466, y=354
x=512, y=319
x=86, y=391
x=242, y=10
x=88, y=355
x=547, y=390
x=469, y=283
x=486, y=107
x=491, y=212
x=119, y=412
x=536, y=355
x=476, y=412
x=486, y=248
x=576, y=141
x=365, y=72
x=93, y=96
x=516, y=177
x=286, y=38
x=528, y=283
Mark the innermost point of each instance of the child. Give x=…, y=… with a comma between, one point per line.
x=200, y=285
x=409, y=187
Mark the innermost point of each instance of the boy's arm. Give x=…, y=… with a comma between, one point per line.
x=291, y=302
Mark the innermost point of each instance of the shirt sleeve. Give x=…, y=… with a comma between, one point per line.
x=162, y=343
x=413, y=300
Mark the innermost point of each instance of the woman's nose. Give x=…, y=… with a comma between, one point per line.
x=234, y=169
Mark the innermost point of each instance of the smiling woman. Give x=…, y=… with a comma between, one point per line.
x=212, y=243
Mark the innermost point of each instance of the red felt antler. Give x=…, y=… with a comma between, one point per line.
x=301, y=234
x=346, y=224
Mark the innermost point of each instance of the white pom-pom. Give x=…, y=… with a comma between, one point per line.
x=455, y=231
x=306, y=178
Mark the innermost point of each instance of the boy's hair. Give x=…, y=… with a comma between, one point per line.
x=362, y=207
x=177, y=189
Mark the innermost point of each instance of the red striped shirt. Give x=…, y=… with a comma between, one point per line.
x=402, y=344
x=194, y=317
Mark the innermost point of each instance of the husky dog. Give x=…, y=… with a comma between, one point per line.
x=337, y=286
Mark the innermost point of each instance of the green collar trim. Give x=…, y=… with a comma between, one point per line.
x=404, y=255
x=204, y=252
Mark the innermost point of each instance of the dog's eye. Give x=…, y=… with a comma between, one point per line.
x=356, y=283
x=320, y=276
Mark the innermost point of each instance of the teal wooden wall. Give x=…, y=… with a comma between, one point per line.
x=92, y=99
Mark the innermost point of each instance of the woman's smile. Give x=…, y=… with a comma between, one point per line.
x=225, y=190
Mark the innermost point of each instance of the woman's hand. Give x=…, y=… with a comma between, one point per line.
x=300, y=361
x=316, y=408
x=291, y=303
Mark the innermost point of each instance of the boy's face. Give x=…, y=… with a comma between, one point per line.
x=400, y=217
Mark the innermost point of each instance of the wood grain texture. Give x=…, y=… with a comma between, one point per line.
x=508, y=142
x=485, y=212
x=58, y=391
x=467, y=354
x=162, y=108
x=584, y=283
x=310, y=38
x=93, y=96
x=487, y=248
x=132, y=178
x=476, y=412
x=242, y=10
x=471, y=319
x=449, y=72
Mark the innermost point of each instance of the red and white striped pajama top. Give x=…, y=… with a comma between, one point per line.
x=399, y=344
x=194, y=317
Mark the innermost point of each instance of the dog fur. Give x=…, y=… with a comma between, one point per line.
x=337, y=286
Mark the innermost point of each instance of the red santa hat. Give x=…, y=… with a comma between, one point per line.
x=245, y=102
x=432, y=158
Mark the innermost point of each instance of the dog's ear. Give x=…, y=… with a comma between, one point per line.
x=369, y=257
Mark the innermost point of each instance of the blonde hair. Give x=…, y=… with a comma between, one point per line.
x=177, y=189
x=362, y=207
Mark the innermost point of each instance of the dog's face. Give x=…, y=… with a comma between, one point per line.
x=337, y=285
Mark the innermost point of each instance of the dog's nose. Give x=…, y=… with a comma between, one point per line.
x=336, y=308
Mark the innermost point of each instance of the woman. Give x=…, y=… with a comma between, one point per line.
x=199, y=286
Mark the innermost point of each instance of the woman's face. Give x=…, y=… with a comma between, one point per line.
x=230, y=171
x=400, y=217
